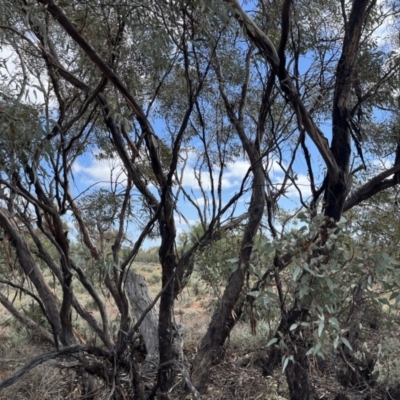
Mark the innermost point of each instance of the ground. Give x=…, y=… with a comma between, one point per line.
x=239, y=374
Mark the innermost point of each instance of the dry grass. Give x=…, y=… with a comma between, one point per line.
x=46, y=381
x=152, y=275
x=237, y=376
x=43, y=382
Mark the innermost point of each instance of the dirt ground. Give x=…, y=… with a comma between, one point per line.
x=238, y=375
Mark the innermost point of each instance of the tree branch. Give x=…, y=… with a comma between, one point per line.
x=375, y=185
x=268, y=50
x=41, y=358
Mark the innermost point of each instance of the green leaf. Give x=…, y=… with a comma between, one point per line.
x=302, y=216
x=342, y=222
x=390, y=259
x=266, y=300
x=384, y=301
x=334, y=322
x=393, y=295
x=286, y=362
x=387, y=347
x=293, y=327
x=307, y=268
x=336, y=342
x=258, y=272
x=317, y=348
x=296, y=272
x=272, y=341
x=310, y=351
x=321, y=327
x=347, y=343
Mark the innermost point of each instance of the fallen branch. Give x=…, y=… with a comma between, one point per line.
x=41, y=358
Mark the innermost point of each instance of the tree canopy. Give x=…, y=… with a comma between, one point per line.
x=271, y=122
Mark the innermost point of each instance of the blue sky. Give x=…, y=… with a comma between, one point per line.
x=90, y=171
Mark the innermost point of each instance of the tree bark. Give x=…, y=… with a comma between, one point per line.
x=29, y=323
x=31, y=269
x=139, y=299
x=168, y=265
x=298, y=379
x=224, y=318
x=339, y=187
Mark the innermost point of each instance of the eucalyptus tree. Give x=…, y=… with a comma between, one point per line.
x=347, y=90
x=149, y=83
x=89, y=92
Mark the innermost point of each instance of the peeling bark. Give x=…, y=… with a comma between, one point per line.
x=148, y=319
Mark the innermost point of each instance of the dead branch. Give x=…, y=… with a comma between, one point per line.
x=41, y=358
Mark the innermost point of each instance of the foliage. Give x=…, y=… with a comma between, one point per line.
x=214, y=263
x=149, y=256
x=331, y=281
x=154, y=278
x=221, y=119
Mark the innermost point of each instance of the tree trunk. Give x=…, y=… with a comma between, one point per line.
x=225, y=317
x=296, y=371
x=297, y=374
x=298, y=379
x=31, y=270
x=139, y=299
x=165, y=325
x=221, y=324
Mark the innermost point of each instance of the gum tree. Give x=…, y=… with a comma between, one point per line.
x=150, y=83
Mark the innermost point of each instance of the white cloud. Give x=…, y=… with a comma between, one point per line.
x=302, y=183
x=236, y=171
x=200, y=201
x=232, y=176
x=102, y=172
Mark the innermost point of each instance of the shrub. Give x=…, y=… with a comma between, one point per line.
x=154, y=278
x=148, y=256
